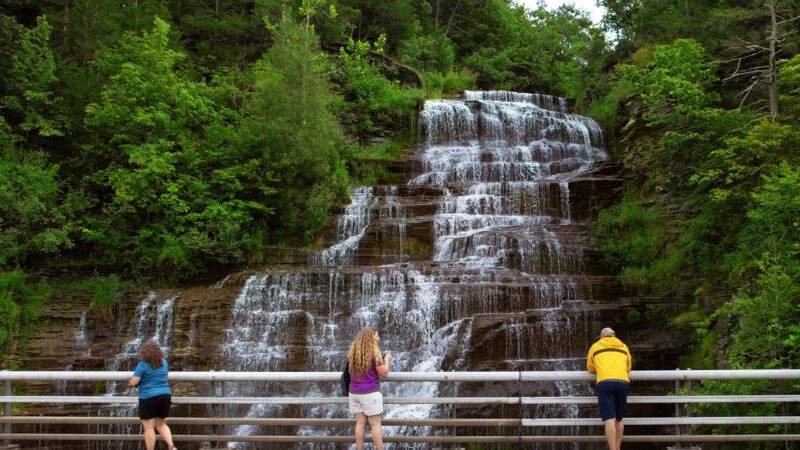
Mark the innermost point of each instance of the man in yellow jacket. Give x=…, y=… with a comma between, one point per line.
x=611, y=360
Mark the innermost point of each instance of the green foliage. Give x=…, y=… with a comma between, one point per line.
x=789, y=81
x=639, y=243
x=35, y=218
x=632, y=315
x=701, y=353
x=27, y=101
x=748, y=387
x=20, y=301
x=429, y=53
x=105, y=293
x=439, y=84
x=223, y=33
x=606, y=109
x=369, y=96
x=91, y=284
x=769, y=308
x=724, y=183
x=290, y=123
x=674, y=82
x=173, y=188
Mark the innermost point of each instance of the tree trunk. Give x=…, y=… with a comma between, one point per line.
x=772, y=76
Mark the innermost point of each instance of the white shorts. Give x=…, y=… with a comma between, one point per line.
x=370, y=404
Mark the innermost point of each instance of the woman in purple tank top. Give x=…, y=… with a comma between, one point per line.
x=366, y=401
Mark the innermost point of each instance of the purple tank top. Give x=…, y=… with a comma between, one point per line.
x=370, y=381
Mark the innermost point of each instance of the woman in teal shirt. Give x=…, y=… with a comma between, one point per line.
x=155, y=398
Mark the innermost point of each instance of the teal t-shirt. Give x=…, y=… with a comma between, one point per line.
x=153, y=381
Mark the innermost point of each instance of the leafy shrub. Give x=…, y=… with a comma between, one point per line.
x=105, y=294
x=426, y=52
x=639, y=244
x=438, y=84
x=632, y=315
x=20, y=300
x=370, y=97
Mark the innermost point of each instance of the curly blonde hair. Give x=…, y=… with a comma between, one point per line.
x=151, y=353
x=363, y=352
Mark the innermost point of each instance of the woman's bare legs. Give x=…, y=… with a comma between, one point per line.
x=361, y=428
x=165, y=432
x=377, y=433
x=149, y=433
x=151, y=425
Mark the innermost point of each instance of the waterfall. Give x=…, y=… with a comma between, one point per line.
x=351, y=228
x=153, y=320
x=501, y=287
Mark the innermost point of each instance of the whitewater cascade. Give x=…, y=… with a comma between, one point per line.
x=475, y=264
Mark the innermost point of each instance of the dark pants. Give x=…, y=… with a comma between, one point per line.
x=612, y=396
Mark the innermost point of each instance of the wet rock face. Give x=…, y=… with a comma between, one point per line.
x=483, y=258
x=71, y=336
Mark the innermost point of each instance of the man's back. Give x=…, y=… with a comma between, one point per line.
x=610, y=359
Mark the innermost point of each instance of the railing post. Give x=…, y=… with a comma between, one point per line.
x=519, y=424
x=688, y=405
x=6, y=410
x=677, y=411
x=212, y=410
x=226, y=407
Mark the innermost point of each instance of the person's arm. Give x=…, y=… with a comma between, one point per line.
x=137, y=374
x=590, y=362
x=383, y=369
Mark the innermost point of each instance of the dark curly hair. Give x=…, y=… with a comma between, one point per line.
x=151, y=353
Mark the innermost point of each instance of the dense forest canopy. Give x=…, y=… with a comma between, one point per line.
x=152, y=141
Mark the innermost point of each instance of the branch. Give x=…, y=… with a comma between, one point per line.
x=746, y=92
x=450, y=20
x=751, y=71
x=787, y=20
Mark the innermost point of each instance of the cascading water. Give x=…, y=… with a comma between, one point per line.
x=498, y=286
x=153, y=320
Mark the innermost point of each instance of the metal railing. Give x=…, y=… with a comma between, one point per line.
x=680, y=420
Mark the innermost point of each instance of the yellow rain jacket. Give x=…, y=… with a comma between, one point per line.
x=610, y=359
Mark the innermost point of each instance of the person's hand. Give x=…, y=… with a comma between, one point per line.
x=387, y=357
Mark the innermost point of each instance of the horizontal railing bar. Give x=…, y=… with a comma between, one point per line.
x=740, y=420
x=670, y=438
x=409, y=439
x=641, y=375
x=264, y=421
x=282, y=421
x=83, y=399
x=258, y=400
x=671, y=399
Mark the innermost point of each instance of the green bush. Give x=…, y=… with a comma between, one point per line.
x=633, y=316
x=20, y=301
x=106, y=293
x=606, y=110
x=639, y=245
x=369, y=96
x=439, y=84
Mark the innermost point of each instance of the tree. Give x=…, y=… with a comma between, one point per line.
x=789, y=95
x=758, y=62
x=291, y=124
x=176, y=193
x=36, y=216
x=28, y=103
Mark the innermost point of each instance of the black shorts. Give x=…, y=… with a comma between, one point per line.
x=612, y=396
x=158, y=406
